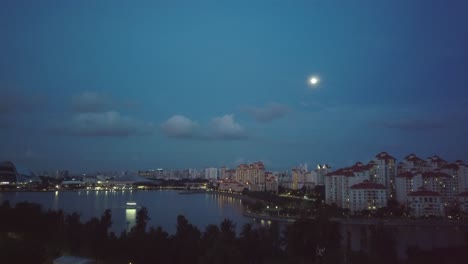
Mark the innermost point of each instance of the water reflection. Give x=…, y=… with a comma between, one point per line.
x=163, y=207
x=56, y=200
x=130, y=217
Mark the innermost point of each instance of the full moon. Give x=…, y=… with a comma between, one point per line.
x=313, y=80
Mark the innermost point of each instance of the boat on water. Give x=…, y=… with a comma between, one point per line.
x=131, y=205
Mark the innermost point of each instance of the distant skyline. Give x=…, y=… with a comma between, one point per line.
x=119, y=85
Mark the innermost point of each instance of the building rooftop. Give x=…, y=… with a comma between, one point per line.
x=413, y=158
x=437, y=159
x=384, y=156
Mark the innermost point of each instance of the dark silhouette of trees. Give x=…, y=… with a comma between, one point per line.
x=29, y=234
x=186, y=241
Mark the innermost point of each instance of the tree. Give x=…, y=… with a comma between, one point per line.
x=186, y=241
x=142, y=219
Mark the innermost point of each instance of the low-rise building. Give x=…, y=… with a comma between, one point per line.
x=425, y=203
x=230, y=185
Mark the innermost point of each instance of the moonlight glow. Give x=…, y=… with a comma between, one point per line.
x=314, y=80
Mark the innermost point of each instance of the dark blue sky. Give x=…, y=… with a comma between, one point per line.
x=88, y=85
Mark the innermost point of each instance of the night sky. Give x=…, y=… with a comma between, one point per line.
x=112, y=85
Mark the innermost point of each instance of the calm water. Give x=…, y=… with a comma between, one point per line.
x=163, y=206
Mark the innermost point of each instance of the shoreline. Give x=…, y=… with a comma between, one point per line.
x=343, y=221
x=404, y=222
x=290, y=219
x=233, y=195
x=238, y=196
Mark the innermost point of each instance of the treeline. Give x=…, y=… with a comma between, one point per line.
x=29, y=234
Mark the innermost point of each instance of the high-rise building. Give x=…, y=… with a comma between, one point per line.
x=367, y=196
x=222, y=172
x=321, y=171
x=297, y=177
x=211, y=173
x=384, y=172
x=253, y=175
x=338, y=183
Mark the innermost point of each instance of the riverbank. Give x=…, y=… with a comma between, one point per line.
x=193, y=192
x=238, y=196
x=404, y=222
x=228, y=194
x=288, y=219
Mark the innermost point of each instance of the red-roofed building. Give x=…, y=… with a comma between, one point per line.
x=410, y=181
x=384, y=171
x=231, y=185
x=271, y=182
x=367, y=195
x=425, y=203
x=435, y=162
x=411, y=162
x=338, y=183
x=407, y=182
x=459, y=171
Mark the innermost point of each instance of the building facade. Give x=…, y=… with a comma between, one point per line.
x=252, y=175
x=424, y=203
x=367, y=196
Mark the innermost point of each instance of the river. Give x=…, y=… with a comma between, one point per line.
x=163, y=206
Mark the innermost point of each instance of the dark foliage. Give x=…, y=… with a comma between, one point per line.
x=29, y=234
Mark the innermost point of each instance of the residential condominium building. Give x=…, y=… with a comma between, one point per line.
x=412, y=162
x=320, y=172
x=230, y=185
x=367, y=196
x=338, y=183
x=435, y=174
x=462, y=200
x=459, y=171
x=448, y=182
x=425, y=203
x=435, y=181
x=211, y=173
x=253, y=175
x=384, y=171
x=271, y=183
x=297, y=178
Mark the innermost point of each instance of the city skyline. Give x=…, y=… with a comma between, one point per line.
x=118, y=86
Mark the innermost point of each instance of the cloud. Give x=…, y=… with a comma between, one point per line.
x=106, y=124
x=225, y=127
x=268, y=113
x=91, y=102
x=179, y=126
x=219, y=128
